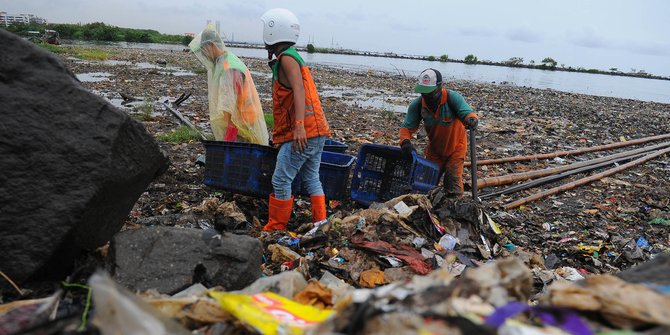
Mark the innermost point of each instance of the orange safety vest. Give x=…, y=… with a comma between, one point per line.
x=283, y=109
x=445, y=130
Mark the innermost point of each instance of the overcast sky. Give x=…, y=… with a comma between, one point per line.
x=598, y=34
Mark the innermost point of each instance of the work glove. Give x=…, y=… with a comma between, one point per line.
x=407, y=148
x=471, y=123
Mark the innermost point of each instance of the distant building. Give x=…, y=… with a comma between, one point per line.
x=7, y=19
x=217, y=25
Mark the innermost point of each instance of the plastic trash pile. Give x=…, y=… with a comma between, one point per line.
x=414, y=265
x=495, y=298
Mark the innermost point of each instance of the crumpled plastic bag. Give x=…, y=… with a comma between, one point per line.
x=18, y=316
x=562, y=318
x=371, y=278
x=623, y=304
x=282, y=254
x=286, y=284
x=117, y=311
x=315, y=294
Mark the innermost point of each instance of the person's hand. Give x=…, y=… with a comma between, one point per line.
x=299, y=138
x=407, y=148
x=471, y=123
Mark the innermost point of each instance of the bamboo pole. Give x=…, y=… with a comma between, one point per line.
x=511, y=178
x=548, y=179
x=586, y=180
x=571, y=152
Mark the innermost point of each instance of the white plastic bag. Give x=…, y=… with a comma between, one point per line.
x=119, y=312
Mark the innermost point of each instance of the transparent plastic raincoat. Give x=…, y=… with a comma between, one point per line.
x=235, y=111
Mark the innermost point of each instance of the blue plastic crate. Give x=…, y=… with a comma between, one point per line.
x=247, y=169
x=334, y=175
x=335, y=146
x=244, y=168
x=382, y=174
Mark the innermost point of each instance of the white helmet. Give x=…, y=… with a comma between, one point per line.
x=280, y=25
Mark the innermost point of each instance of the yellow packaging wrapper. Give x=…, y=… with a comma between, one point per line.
x=271, y=314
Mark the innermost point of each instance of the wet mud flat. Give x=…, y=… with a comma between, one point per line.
x=600, y=227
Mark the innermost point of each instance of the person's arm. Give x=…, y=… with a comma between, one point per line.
x=291, y=69
x=232, y=130
x=238, y=81
x=461, y=108
x=412, y=120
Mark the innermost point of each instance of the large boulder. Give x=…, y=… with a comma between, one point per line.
x=170, y=259
x=72, y=164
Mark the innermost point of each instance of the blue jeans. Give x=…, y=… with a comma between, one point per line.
x=290, y=162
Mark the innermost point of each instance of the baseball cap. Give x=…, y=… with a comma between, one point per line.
x=429, y=80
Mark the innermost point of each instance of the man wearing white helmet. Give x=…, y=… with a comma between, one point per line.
x=300, y=126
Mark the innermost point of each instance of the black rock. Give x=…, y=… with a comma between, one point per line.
x=171, y=259
x=72, y=164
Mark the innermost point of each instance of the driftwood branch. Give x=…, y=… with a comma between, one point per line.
x=11, y=282
x=511, y=178
x=184, y=120
x=586, y=180
x=571, y=152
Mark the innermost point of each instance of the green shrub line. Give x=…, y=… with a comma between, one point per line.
x=99, y=31
x=81, y=53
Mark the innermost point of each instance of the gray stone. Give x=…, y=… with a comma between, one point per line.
x=72, y=164
x=655, y=271
x=170, y=259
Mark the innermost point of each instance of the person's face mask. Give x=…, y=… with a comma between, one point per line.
x=433, y=97
x=271, y=51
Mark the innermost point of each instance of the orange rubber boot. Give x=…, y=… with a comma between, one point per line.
x=279, y=211
x=318, y=207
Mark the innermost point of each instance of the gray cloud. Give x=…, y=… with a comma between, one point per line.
x=477, y=32
x=646, y=48
x=406, y=27
x=588, y=37
x=524, y=34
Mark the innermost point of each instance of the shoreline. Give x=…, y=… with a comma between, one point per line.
x=600, y=89
x=435, y=59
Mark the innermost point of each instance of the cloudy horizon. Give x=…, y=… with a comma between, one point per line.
x=627, y=35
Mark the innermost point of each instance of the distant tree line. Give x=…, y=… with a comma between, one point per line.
x=312, y=49
x=99, y=31
x=547, y=63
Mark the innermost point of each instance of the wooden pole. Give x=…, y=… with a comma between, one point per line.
x=548, y=179
x=586, y=180
x=473, y=167
x=184, y=120
x=571, y=152
x=511, y=178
